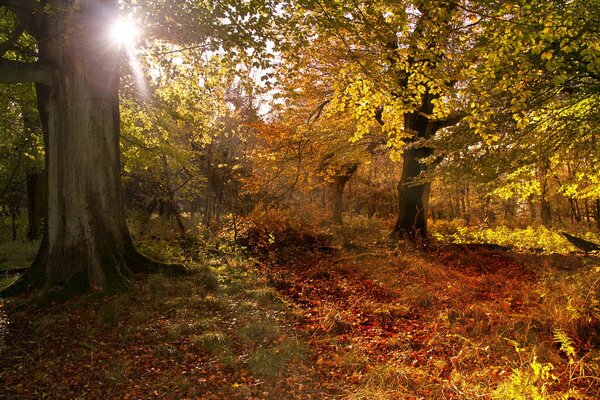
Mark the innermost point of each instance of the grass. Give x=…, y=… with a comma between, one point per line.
x=220, y=322
x=394, y=324
x=111, y=312
x=474, y=321
x=259, y=332
x=271, y=362
x=17, y=255
x=213, y=343
x=539, y=238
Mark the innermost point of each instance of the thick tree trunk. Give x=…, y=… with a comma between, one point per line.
x=86, y=244
x=413, y=196
x=413, y=199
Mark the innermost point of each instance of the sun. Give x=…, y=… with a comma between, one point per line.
x=124, y=32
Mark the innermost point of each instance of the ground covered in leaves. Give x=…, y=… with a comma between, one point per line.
x=315, y=320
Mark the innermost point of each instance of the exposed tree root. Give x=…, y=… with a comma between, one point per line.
x=118, y=269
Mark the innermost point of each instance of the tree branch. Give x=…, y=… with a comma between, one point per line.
x=451, y=120
x=19, y=6
x=20, y=72
x=29, y=12
x=14, y=36
x=317, y=112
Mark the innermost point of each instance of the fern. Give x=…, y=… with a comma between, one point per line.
x=565, y=343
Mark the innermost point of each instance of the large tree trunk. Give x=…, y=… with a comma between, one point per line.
x=86, y=244
x=546, y=212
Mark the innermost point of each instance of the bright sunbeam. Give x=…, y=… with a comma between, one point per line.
x=124, y=32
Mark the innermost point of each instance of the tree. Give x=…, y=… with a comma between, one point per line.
x=21, y=150
x=76, y=70
x=86, y=244
x=397, y=62
x=533, y=127
x=417, y=67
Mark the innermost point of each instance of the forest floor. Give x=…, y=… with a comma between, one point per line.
x=360, y=321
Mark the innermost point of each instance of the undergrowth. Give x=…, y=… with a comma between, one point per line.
x=221, y=322
x=310, y=312
x=539, y=238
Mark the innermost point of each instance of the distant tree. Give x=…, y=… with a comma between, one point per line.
x=21, y=158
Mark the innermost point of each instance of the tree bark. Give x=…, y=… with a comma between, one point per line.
x=597, y=202
x=587, y=211
x=13, y=221
x=337, y=191
x=86, y=244
x=413, y=199
x=546, y=212
x=36, y=203
x=545, y=207
x=173, y=206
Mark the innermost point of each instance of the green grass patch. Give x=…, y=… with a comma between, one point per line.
x=17, y=255
x=259, y=332
x=537, y=238
x=110, y=312
x=6, y=281
x=266, y=297
x=213, y=343
x=271, y=362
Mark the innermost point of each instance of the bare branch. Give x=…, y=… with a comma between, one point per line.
x=20, y=72
x=317, y=112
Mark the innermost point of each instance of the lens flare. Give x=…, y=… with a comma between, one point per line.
x=124, y=32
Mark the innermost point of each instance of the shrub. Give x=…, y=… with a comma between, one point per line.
x=266, y=229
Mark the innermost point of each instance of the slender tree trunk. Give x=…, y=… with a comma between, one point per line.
x=173, y=206
x=36, y=203
x=13, y=221
x=532, y=209
x=574, y=211
x=337, y=191
x=597, y=214
x=587, y=212
x=577, y=210
x=545, y=208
